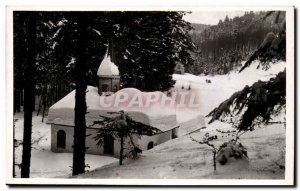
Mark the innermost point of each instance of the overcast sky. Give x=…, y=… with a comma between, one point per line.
x=210, y=17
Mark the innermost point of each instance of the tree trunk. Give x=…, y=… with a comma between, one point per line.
x=45, y=94
x=44, y=109
x=80, y=101
x=29, y=72
x=40, y=105
x=22, y=98
x=17, y=98
x=121, y=150
x=215, y=165
x=33, y=103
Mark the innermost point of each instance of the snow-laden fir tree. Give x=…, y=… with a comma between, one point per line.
x=146, y=45
x=259, y=103
x=123, y=128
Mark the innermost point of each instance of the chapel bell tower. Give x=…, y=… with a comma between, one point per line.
x=108, y=76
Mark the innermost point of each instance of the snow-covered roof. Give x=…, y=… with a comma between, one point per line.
x=162, y=118
x=107, y=67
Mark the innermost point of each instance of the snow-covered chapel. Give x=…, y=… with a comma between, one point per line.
x=61, y=116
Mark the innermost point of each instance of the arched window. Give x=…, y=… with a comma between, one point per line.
x=61, y=139
x=105, y=88
x=150, y=145
x=115, y=89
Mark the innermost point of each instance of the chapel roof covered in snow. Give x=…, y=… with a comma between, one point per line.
x=107, y=67
x=161, y=118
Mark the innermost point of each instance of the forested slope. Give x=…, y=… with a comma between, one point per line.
x=221, y=48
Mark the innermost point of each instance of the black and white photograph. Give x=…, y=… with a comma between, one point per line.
x=150, y=96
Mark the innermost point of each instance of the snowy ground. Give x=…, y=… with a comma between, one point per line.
x=45, y=163
x=183, y=158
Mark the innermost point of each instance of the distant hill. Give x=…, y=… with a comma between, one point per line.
x=221, y=48
x=198, y=28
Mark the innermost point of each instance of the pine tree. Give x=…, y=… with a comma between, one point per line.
x=20, y=58
x=254, y=105
x=29, y=84
x=85, y=56
x=67, y=52
x=56, y=53
x=258, y=103
x=80, y=102
x=71, y=48
x=146, y=46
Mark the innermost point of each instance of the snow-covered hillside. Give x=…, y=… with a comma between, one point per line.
x=223, y=86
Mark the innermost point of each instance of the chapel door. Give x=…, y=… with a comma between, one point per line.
x=108, y=145
x=61, y=139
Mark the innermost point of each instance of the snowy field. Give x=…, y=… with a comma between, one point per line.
x=181, y=157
